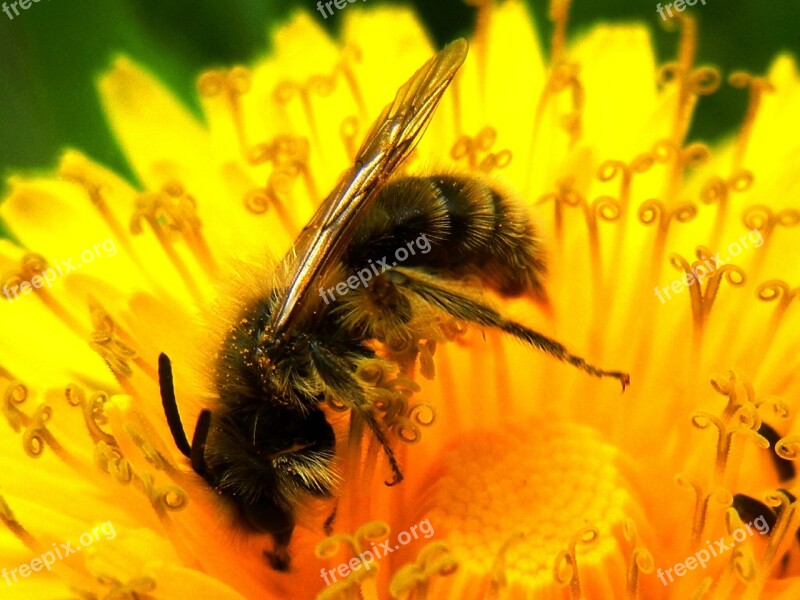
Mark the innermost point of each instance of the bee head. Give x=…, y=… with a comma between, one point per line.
x=263, y=456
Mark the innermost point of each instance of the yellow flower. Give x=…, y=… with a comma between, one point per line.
x=532, y=480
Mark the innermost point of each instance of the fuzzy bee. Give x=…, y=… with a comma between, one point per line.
x=266, y=445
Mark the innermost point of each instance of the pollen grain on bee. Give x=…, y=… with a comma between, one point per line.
x=365, y=275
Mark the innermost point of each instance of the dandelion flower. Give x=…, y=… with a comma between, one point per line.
x=669, y=258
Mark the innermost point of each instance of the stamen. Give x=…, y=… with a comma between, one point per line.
x=565, y=570
x=776, y=290
x=34, y=265
x=702, y=504
x=470, y=149
x=498, y=576
x=480, y=36
x=740, y=416
x=786, y=522
x=232, y=85
x=742, y=562
x=164, y=498
x=289, y=156
x=414, y=579
x=15, y=393
x=15, y=527
x=639, y=561
x=559, y=15
x=107, y=341
x=36, y=435
x=563, y=77
x=323, y=85
x=693, y=157
x=448, y=399
x=746, y=423
x=502, y=375
x=609, y=169
x=285, y=91
x=110, y=460
x=93, y=412
x=335, y=547
x=169, y=213
x=191, y=225
x=760, y=217
x=151, y=455
x=565, y=195
x=736, y=387
x=779, y=406
x=608, y=209
x=134, y=589
x=788, y=447
x=401, y=417
x=718, y=191
x=692, y=82
x=757, y=87
x=655, y=211
x=703, y=295
x=567, y=79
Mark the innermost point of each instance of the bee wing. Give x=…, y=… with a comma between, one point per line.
x=391, y=139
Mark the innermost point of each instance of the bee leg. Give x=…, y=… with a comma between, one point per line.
x=381, y=437
x=473, y=311
x=279, y=558
x=170, y=405
x=330, y=367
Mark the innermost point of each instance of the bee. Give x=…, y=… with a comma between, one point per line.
x=266, y=445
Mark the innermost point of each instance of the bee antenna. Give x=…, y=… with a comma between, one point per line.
x=170, y=405
x=199, y=443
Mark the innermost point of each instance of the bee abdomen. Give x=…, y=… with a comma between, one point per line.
x=457, y=226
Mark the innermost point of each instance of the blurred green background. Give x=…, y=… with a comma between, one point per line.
x=51, y=54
